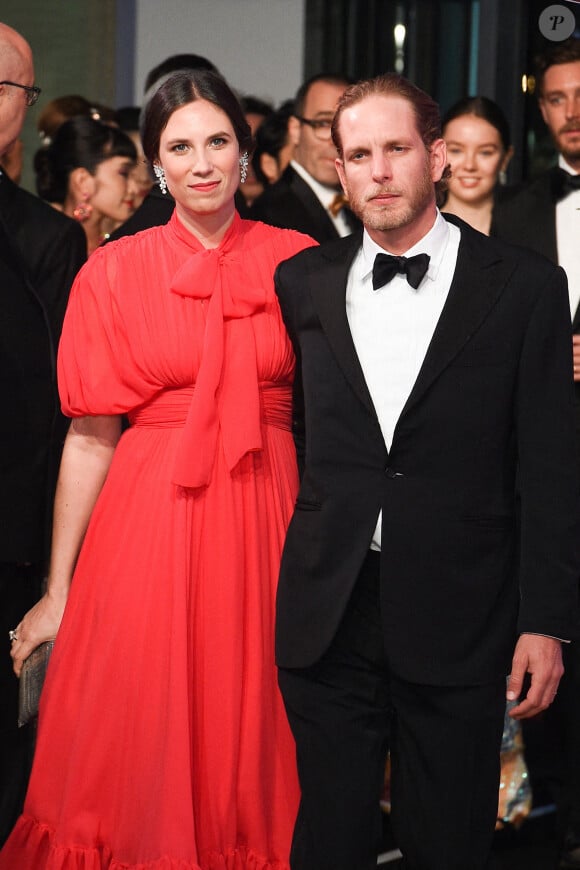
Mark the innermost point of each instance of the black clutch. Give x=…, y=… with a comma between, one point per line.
x=31, y=682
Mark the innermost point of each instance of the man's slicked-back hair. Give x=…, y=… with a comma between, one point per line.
x=556, y=53
x=329, y=78
x=426, y=110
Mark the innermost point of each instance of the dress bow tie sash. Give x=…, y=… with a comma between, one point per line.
x=226, y=392
x=386, y=266
x=564, y=183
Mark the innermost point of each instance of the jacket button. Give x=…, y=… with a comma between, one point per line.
x=391, y=473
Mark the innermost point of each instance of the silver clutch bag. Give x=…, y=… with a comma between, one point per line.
x=31, y=682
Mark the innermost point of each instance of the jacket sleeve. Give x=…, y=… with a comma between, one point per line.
x=548, y=473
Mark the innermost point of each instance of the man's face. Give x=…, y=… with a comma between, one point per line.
x=14, y=68
x=387, y=172
x=560, y=107
x=313, y=149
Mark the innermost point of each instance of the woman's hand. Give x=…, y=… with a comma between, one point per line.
x=87, y=455
x=39, y=624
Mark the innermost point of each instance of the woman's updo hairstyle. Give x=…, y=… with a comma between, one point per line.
x=78, y=143
x=484, y=108
x=180, y=90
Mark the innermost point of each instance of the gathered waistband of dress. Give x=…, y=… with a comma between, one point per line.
x=169, y=408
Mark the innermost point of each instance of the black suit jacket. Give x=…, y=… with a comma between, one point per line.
x=41, y=251
x=290, y=203
x=460, y=572
x=528, y=218
x=155, y=210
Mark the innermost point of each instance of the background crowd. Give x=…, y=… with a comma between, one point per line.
x=95, y=184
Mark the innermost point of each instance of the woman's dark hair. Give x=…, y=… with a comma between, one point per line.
x=80, y=142
x=180, y=90
x=255, y=106
x=271, y=137
x=481, y=107
x=178, y=63
x=127, y=118
x=59, y=110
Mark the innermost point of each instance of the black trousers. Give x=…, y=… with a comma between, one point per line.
x=346, y=711
x=20, y=589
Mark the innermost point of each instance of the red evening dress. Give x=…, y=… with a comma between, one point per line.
x=163, y=742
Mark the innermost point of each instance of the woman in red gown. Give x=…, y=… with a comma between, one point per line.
x=162, y=741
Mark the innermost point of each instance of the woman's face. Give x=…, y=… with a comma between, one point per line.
x=113, y=190
x=476, y=155
x=140, y=181
x=200, y=154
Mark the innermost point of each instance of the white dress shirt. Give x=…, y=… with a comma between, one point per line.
x=568, y=236
x=325, y=195
x=392, y=327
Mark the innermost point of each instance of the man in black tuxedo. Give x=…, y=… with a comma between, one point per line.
x=40, y=253
x=307, y=197
x=433, y=368
x=545, y=216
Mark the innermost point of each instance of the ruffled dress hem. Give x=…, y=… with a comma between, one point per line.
x=33, y=844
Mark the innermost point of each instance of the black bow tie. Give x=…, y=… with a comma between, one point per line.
x=387, y=266
x=564, y=183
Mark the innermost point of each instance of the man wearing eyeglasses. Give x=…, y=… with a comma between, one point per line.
x=41, y=251
x=307, y=197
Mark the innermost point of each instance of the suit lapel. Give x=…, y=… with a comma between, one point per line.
x=479, y=280
x=545, y=219
x=328, y=288
x=311, y=205
x=480, y=277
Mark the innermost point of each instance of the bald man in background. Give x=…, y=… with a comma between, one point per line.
x=41, y=251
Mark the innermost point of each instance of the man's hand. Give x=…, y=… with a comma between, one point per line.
x=576, y=356
x=541, y=657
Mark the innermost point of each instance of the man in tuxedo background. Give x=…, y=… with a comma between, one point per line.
x=433, y=366
x=307, y=197
x=41, y=251
x=545, y=216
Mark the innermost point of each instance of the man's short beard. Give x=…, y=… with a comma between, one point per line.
x=385, y=219
x=569, y=150
x=388, y=218
x=572, y=154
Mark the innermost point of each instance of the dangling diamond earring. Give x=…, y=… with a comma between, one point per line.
x=160, y=174
x=244, y=159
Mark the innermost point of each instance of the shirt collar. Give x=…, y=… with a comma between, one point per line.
x=322, y=191
x=566, y=166
x=434, y=243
